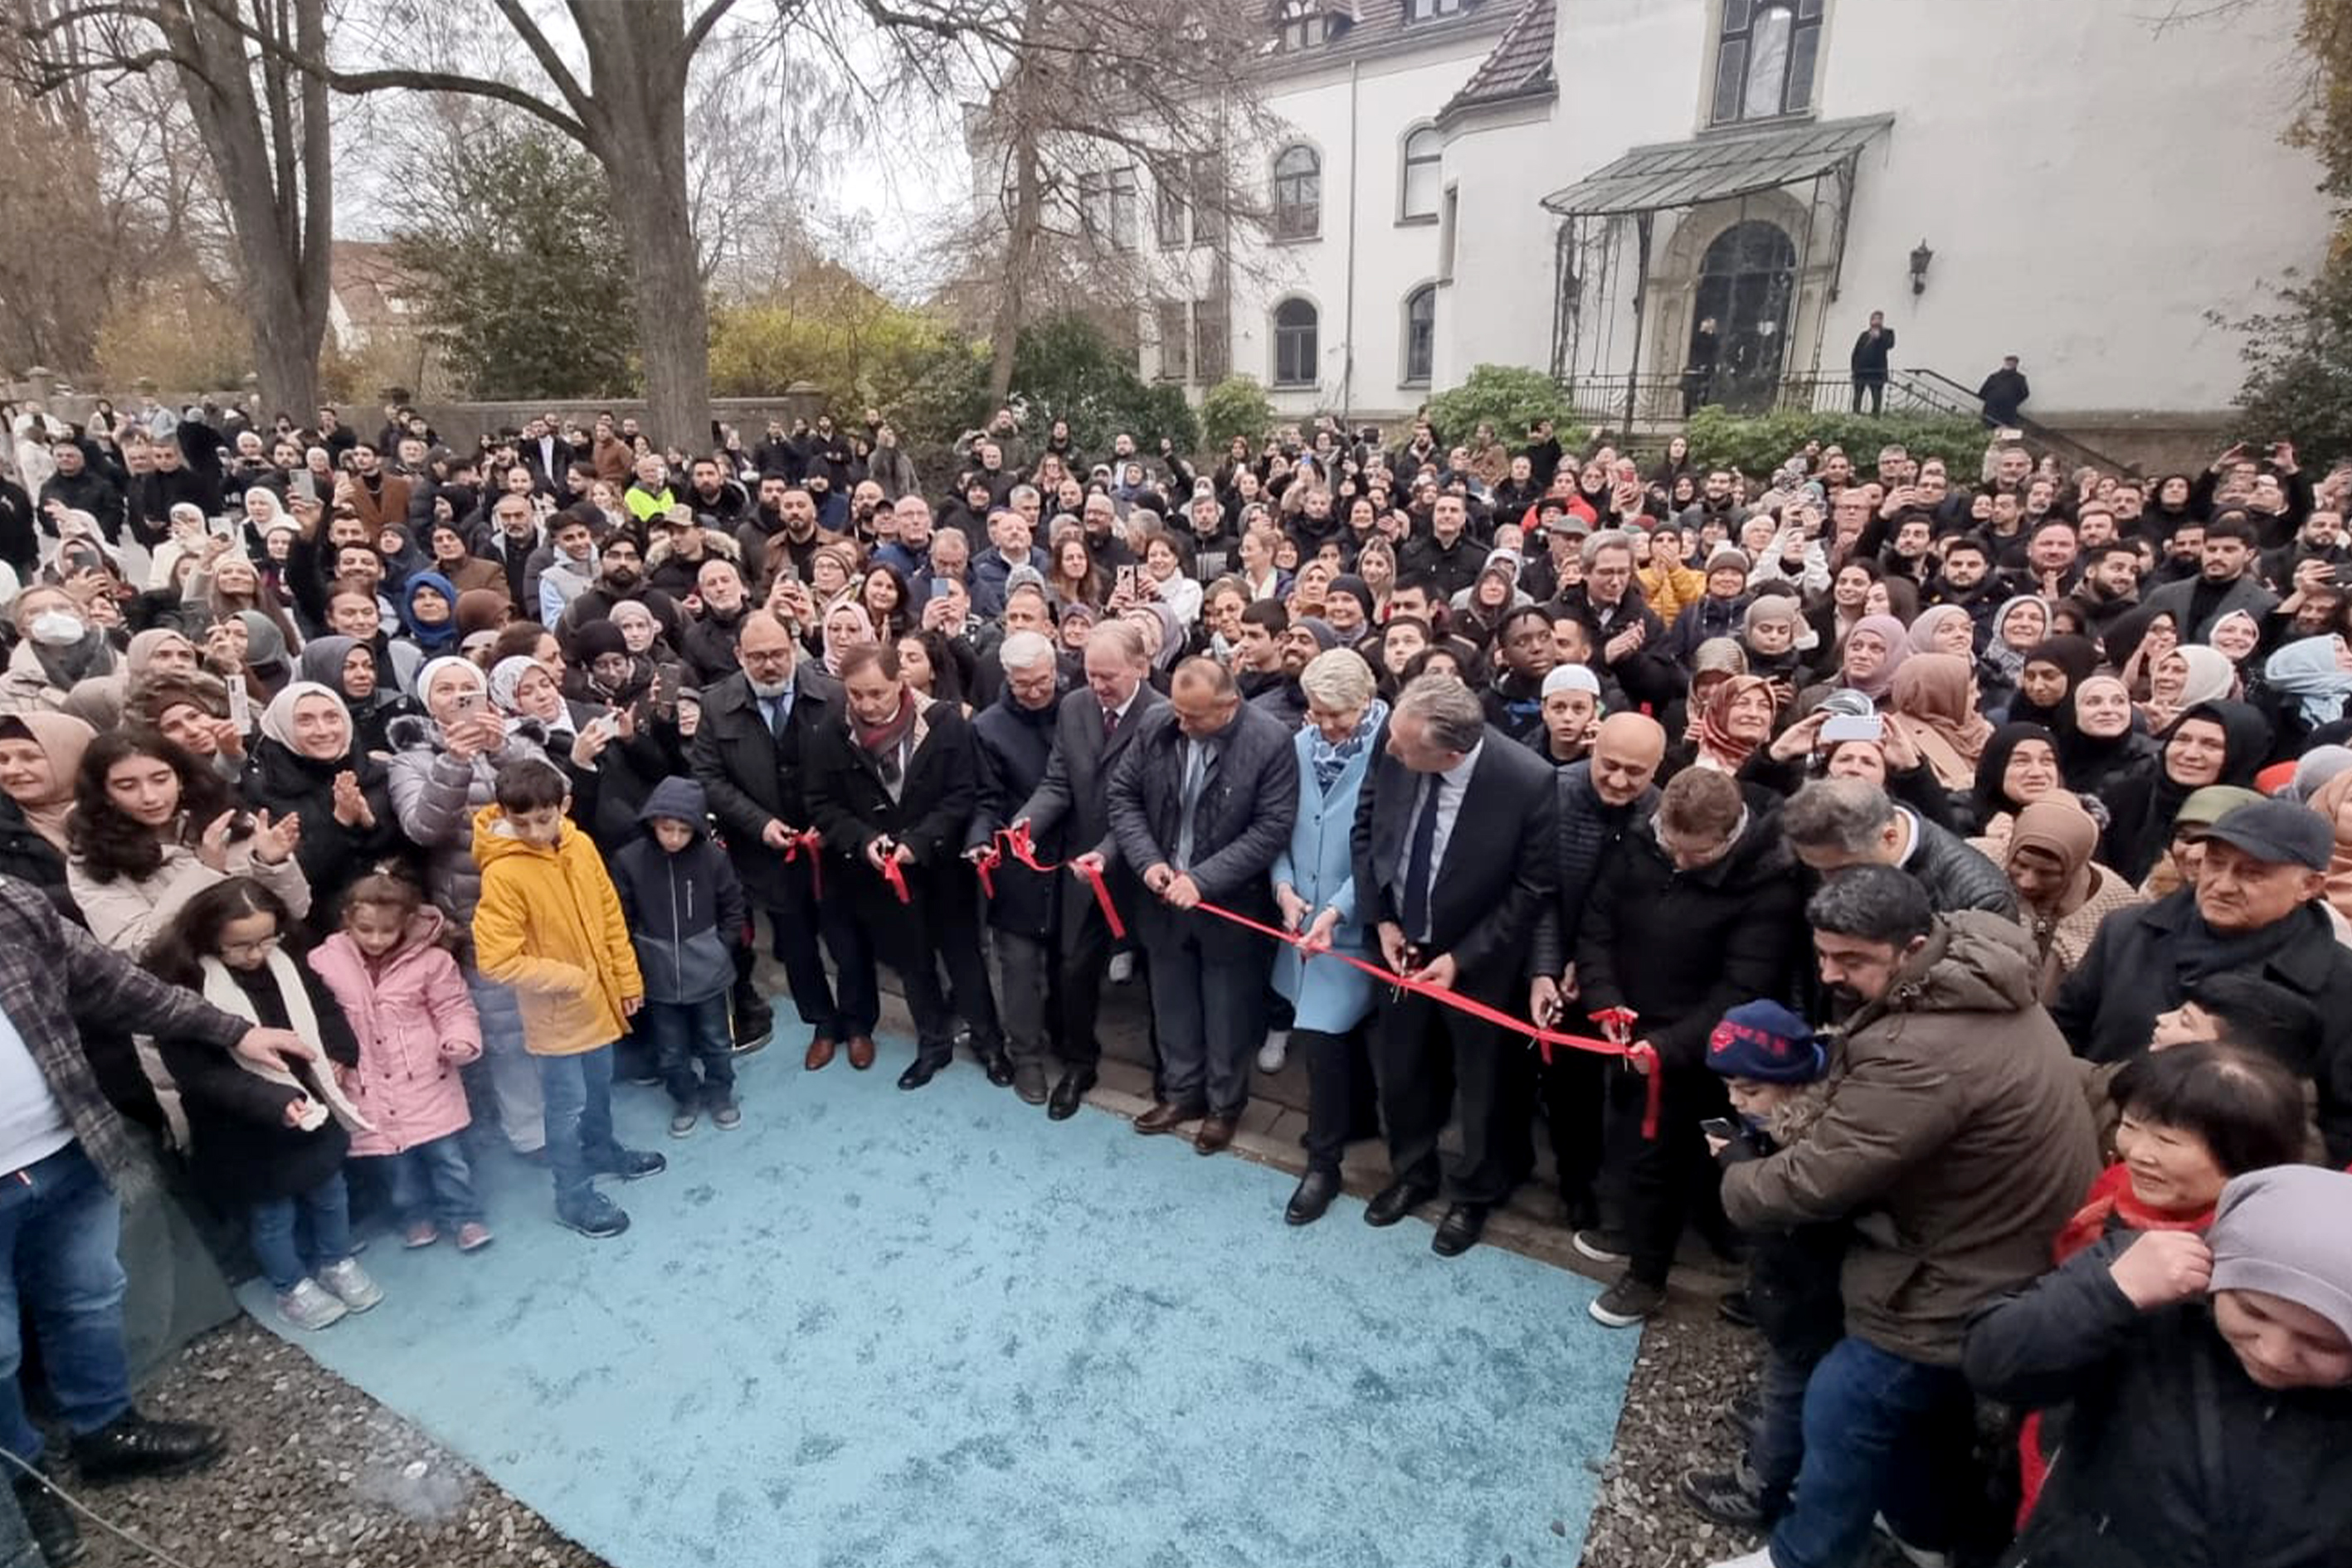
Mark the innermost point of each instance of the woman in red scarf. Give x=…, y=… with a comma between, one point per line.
x=893, y=788
x=1737, y=720
x=2194, y=1116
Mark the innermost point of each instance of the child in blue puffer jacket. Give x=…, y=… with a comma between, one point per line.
x=685, y=913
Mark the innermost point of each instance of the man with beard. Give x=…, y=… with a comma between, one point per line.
x=1956, y=1133
x=1103, y=542
x=1300, y=641
x=747, y=752
x=1965, y=578
x=380, y=499
x=711, y=493
x=783, y=531
x=711, y=637
x=620, y=574
x=78, y=485
x=2110, y=585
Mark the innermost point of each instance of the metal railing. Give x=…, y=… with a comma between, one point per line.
x=2036, y=433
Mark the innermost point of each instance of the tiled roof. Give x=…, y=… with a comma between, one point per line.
x=1519, y=66
x=1379, y=27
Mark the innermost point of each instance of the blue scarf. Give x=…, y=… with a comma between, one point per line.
x=1330, y=760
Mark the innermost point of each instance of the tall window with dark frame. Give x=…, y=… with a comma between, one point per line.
x=1208, y=199
x=1212, y=342
x=1765, y=58
x=1107, y=202
x=1420, y=334
x=1298, y=194
x=1303, y=24
x=1170, y=220
x=1424, y=168
x=1175, y=336
x=1295, y=346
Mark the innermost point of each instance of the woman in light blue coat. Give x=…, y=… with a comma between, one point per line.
x=1314, y=884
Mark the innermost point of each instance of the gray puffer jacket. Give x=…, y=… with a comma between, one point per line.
x=435, y=795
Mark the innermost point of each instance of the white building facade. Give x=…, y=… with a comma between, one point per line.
x=1578, y=187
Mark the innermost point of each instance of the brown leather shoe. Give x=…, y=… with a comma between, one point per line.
x=1216, y=1132
x=820, y=1053
x=1165, y=1116
x=861, y=1051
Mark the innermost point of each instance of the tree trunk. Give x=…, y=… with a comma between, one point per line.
x=1011, y=308
x=283, y=235
x=637, y=64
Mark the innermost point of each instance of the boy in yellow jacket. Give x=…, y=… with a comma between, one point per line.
x=549, y=924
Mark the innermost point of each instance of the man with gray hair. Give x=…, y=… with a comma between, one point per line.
x=1628, y=637
x=1013, y=740
x=1444, y=874
x=1835, y=823
x=1068, y=814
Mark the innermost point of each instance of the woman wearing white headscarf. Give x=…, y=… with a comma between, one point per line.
x=444, y=769
x=309, y=763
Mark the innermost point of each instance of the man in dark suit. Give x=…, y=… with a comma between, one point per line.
x=1013, y=739
x=1068, y=814
x=547, y=457
x=1201, y=803
x=748, y=753
x=1441, y=864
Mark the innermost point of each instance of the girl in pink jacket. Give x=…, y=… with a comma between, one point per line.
x=409, y=1006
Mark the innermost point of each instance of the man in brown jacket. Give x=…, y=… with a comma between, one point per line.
x=1957, y=1142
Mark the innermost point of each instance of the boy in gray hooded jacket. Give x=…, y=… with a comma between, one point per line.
x=685, y=911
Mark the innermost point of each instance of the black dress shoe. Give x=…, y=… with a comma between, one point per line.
x=1732, y=1308
x=1459, y=1231
x=49, y=1523
x=130, y=1445
x=1316, y=1191
x=920, y=1071
x=999, y=1067
x=1070, y=1093
x=1397, y=1200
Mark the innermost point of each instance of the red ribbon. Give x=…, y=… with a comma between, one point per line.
x=893, y=873
x=1616, y=1023
x=1018, y=844
x=811, y=842
x=985, y=865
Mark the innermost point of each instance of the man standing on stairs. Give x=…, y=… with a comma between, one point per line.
x=1869, y=362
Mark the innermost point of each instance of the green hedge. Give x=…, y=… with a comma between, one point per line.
x=1757, y=444
x=1236, y=405
x=1509, y=397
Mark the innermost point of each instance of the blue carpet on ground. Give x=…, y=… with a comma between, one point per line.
x=873, y=1329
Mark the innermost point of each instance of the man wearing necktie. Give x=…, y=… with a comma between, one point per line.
x=1203, y=803
x=1450, y=839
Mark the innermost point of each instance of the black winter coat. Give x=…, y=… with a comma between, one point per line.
x=240, y=1147
x=1683, y=948
x=931, y=815
x=752, y=778
x=2108, y=1006
x=1793, y=1272
x=1590, y=830
x=332, y=857
x=1014, y=745
x=2173, y=1457
x=33, y=860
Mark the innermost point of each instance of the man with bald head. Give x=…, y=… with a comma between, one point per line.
x=1600, y=800
x=1202, y=805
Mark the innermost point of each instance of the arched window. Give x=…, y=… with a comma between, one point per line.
x=1764, y=59
x=1420, y=333
x=1423, y=154
x=1295, y=352
x=1298, y=193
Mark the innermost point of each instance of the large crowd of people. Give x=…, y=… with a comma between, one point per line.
x=1970, y=846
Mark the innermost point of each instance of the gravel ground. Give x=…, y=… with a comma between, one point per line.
x=319, y=1474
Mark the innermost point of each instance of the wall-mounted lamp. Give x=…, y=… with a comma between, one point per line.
x=1920, y=257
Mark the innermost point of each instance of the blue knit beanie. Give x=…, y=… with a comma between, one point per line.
x=1766, y=1042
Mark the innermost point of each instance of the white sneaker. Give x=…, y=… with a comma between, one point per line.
x=308, y=1305
x=350, y=1284
x=1122, y=968
x=1274, y=1052
x=1917, y=1555
x=1760, y=1558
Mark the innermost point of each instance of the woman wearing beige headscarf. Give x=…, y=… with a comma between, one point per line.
x=38, y=754
x=2062, y=893
x=1934, y=705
